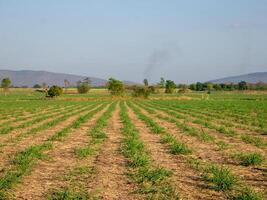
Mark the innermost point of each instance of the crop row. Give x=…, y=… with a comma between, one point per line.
x=24, y=161
x=219, y=177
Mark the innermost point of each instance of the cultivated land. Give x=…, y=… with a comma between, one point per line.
x=94, y=146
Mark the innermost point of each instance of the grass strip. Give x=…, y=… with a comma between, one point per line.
x=153, y=181
x=24, y=161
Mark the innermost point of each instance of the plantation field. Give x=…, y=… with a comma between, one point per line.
x=94, y=146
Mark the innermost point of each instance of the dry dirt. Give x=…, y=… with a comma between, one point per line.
x=189, y=184
x=44, y=175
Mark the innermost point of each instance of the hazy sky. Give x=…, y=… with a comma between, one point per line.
x=183, y=40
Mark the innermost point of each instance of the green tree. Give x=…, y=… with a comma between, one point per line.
x=37, y=86
x=199, y=86
x=115, y=87
x=242, y=85
x=169, y=86
x=162, y=82
x=141, y=91
x=5, y=84
x=55, y=91
x=193, y=86
x=83, y=86
x=209, y=86
x=217, y=87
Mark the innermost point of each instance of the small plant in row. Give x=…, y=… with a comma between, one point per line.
x=23, y=161
x=154, y=182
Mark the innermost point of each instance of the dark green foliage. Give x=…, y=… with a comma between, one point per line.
x=115, y=87
x=242, y=85
x=141, y=91
x=37, y=86
x=5, y=84
x=169, y=86
x=162, y=83
x=55, y=91
x=83, y=87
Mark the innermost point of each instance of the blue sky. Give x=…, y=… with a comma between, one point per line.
x=183, y=40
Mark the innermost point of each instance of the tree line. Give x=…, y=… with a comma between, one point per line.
x=242, y=85
x=117, y=87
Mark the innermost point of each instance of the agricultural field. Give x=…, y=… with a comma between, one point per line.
x=94, y=146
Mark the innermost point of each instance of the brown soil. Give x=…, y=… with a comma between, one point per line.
x=189, y=184
x=44, y=175
x=14, y=133
x=240, y=131
x=10, y=150
x=208, y=152
x=110, y=181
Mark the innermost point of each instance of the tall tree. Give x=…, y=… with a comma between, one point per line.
x=242, y=85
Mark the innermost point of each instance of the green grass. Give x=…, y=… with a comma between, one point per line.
x=247, y=194
x=154, y=182
x=175, y=146
x=257, y=141
x=97, y=136
x=24, y=160
x=66, y=194
x=220, y=178
x=248, y=159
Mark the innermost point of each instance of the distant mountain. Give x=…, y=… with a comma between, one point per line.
x=30, y=78
x=250, y=78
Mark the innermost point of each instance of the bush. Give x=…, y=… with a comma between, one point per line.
x=141, y=91
x=115, y=87
x=83, y=88
x=55, y=91
x=37, y=86
x=169, y=86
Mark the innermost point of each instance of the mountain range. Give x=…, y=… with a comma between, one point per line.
x=250, y=78
x=30, y=78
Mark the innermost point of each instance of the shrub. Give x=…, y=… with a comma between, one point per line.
x=141, y=91
x=83, y=87
x=54, y=91
x=37, y=86
x=115, y=87
x=5, y=84
x=169, y=86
